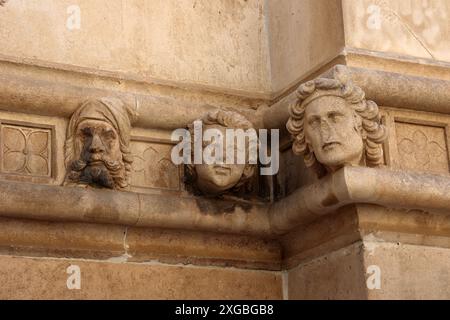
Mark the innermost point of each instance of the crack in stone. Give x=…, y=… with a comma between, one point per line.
x=406, y=25
x=125, y=256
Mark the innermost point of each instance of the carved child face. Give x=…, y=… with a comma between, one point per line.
x=216, y=178
x=331, y=130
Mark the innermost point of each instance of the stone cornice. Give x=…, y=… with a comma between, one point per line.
x=74, y=204
x=41, y=88
x=386, y=89
x=57, y=91
x=350, y=185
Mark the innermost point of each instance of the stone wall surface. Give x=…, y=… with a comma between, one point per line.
x=409, y=271
x=417, y=29
x=32, y=278
x=338, y=275
x=226, y=45
x=406, y=272
x=221, y=45
x=310, y=34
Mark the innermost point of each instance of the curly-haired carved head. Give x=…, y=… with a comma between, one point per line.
x=97, y=145
x=219, y=178
x=333, y=125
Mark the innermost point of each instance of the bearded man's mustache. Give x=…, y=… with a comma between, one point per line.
x=104, y=173
x=97, y=174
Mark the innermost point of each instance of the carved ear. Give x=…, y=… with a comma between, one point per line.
x=358, y=126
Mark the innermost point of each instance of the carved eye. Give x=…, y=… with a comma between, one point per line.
x=335, y=116
x=109, y=135
x=314, y=122
x=85, y=133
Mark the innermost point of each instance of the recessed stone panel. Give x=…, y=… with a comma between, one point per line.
x=152, y=166
x=418, y=141
x=422, y=148
x=26, y=150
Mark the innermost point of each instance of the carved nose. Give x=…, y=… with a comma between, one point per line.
x=96, y=145
x=327, y=131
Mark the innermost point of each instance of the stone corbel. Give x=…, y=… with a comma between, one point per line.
x=360, y=185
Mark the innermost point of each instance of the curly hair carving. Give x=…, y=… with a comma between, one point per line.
x=341, y=85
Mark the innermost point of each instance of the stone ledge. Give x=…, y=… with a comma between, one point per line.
x=115, y=243
x=73, y=204
x=355, y=185
x=350, y=185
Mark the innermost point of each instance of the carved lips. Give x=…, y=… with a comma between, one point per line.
x=330, y=145
x=223, y=170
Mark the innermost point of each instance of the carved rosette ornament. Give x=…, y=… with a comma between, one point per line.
x=333, y=125
x=97, y=149
x=220, y=178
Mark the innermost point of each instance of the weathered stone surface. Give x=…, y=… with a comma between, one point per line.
x=419, y=142
x=152, y=166
x=131, y=244
x=32, y=148
x=220, y=177
x=26, y=151
x=238, y=42
x=97, y=148
x=202, y=248
x=132, y=38
x=337, y=275
x=67, y=240
x=333, y=125
x=320, y=235
x=405, y=27
x=405, y=272
x=351, y=224
x=409, y=271
x=387, y=88
x=296, y=26
x=39, y=278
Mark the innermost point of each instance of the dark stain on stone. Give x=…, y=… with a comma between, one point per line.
x=219, y=206
x=99, y=214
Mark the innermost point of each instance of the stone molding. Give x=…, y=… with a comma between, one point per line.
x=51, y=203
x=386, y=89
x=29, y=89
x=360, y=185
x=350, y=185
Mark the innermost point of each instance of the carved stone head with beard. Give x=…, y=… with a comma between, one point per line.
x=97, y=145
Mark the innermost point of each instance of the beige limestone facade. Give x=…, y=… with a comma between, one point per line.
x=360, y=94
